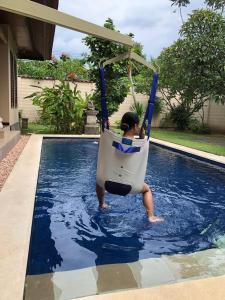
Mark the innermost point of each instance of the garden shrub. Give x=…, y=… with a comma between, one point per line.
x=158, y=106
x=117, y=124
x=198, y=127
x=139, y=108
x=180, y=115
x=62, y=107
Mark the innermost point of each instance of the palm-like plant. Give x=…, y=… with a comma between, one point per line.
x=139, y=108
x=61, y=106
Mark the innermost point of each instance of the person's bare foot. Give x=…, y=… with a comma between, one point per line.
x=104, y=206
x=154, y=219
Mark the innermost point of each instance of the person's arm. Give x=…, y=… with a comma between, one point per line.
x=107, y=124
x=142, y=133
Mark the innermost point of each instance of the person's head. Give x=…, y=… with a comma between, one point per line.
x=130, y=122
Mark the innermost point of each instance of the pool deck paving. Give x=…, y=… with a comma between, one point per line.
x=207, y=289
x=17, y=201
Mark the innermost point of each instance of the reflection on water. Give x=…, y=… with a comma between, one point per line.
x=118, y=277
x=45, y=256
x=70, y=233
x=122, y=249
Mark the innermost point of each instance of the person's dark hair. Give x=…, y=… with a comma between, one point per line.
x=128, y=121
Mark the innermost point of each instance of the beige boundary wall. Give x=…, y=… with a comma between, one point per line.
x=128, y=102
x=214, y=114
x=27, y=86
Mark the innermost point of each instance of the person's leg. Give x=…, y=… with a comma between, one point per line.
x=100, y=194
x=149, y=204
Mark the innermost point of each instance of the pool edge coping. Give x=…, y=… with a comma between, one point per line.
x=213, y=159
x=17, y=199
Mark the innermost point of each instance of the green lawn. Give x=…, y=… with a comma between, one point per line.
x=39, y=128
x=42, y=129
x=212, y=143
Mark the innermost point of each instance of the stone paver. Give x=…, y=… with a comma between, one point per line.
x=7, y=163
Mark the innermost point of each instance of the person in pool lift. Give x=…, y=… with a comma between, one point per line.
x=130, y=128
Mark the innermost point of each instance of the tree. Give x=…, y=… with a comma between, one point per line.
x=180, y=3
x=213, y=4
x=192, y=69
x=55, y=68
x=116, y=75
x=216, y=4
x=143, y=84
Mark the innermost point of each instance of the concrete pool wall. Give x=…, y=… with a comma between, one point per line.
x=17, y=203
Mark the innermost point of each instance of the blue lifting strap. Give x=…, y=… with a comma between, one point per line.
x=105, y=117
x=151, y=102
x=149, y=110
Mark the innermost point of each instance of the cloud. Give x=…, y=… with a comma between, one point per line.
x=69, y=42
x=153, y=23
x=140, y=22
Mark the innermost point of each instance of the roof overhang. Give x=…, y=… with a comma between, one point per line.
x=34, y=39
x=36, y=11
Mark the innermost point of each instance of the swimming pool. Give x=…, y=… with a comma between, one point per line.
x=69, y=232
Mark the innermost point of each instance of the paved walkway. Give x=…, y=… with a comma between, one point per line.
x=8, y=162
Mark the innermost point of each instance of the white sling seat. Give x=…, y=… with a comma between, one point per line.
x=122, y=163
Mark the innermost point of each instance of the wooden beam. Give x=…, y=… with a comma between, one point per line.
x=129, y=55
x=49, y=15
x=116, y=59
x=142, y=61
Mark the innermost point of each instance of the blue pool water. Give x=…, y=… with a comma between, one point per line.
x=69, y=231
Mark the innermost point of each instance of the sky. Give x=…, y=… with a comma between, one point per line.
x=153, y=22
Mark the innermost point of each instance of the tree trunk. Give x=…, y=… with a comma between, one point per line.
x=132, y=84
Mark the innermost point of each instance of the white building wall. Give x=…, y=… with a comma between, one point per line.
x=13, y=112
x=9, y=114
x=4, y=83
